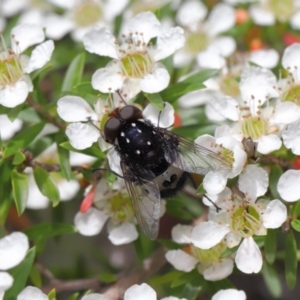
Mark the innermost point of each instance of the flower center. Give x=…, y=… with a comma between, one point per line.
x=137, y=64
x=209, y=255
x=87, y=13
x=282, y=10
x=196, y=42
x=245, y=220
x=292, y=94
x=120, y=207
x=230, y=86
x=10, y=65
x=254, y=127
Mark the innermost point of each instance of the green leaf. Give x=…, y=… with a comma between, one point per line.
x=52, y=295
x=201, y=190
x=20, y=274
x=94, y=150
x=107, y=277
x=18, y=158
x=191, y=291
x=47, y=230
x=35, y=276
x=296, y=225
x=202, y=75
x=20, y=189
x=156, y=100
x=270, y=245
x=229, y=252
x=46, y=185
x=74, y=73
x=14, y=112
x=275, y=173
x=166, y=278
x=290, y=260
x=74, y=296
x=185, y=278
x=296, y=212
x=272, y=280
x=64, y=156
x=23, y=139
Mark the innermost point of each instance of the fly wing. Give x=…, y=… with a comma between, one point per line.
x=145, y=197
x=191, y=157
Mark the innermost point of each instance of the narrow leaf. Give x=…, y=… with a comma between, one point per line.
x=46, y=185
x=52, y=295
x=14, y=112
x=64, y=157
x=275, y=173
x=74, y=296
x=296, y=212
x=74, y=73
x=20, y=188
x=20, y=274
x=296, y=225
x=156, y=100
x=47, y=230
x=18, y=158
x=290, y=260
x=23, y=139
x=272, y=280
x=35, y=276
x=270, y=245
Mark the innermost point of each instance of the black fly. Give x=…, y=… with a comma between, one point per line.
x=155, y=162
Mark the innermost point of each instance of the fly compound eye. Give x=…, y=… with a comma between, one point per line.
x=112, y=129
x=130, y=113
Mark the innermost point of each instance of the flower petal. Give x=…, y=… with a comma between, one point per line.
x=107, y=80
x=40, y=56
x=26, y=35
x=146, y=25
x=211, y=58
x=226, y=106
x=268, y=143
x=30, y=293
x=166, y=116
x=288, y=185
x=290, y=60
x=266, y=58
x=123, y=234
x=74, y=109
x=13, y=249
x=13, y=95
x=155, y=82
x=275, y=214
x=285, y=113
x=208, y=234
x=169, y=42
x=141, y=292
x=248, y=257
x=6, y=281
x=231, y=294
x=181, y=234
x=295, y=20
x=219, y=270
x=9, y=128
x=253, y=181
x=57, y=26
x=224, y=45
x=100, y=41
x=291, y=137
x=81, y=135
x=261, y=16
x=180, y=260
x=214, y=182
x=114, y=161
x=91, y=222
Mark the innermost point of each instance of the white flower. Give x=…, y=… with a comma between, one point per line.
x=30, y=293
x=15, y=83
x=202, y=35
x=141, y=292
x=252, y=119
x=242, y=219
x=265, y=58
x=288, y=185
x=81, y=16
x=214, y=182
x=9, y=128
x=231, y=294
x=13, y=249
x=209, y=262
x=266, y=12
x=111, y=203
x=135, y=61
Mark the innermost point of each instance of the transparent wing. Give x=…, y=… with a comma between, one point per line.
x=145, y=196
x=191, y=157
